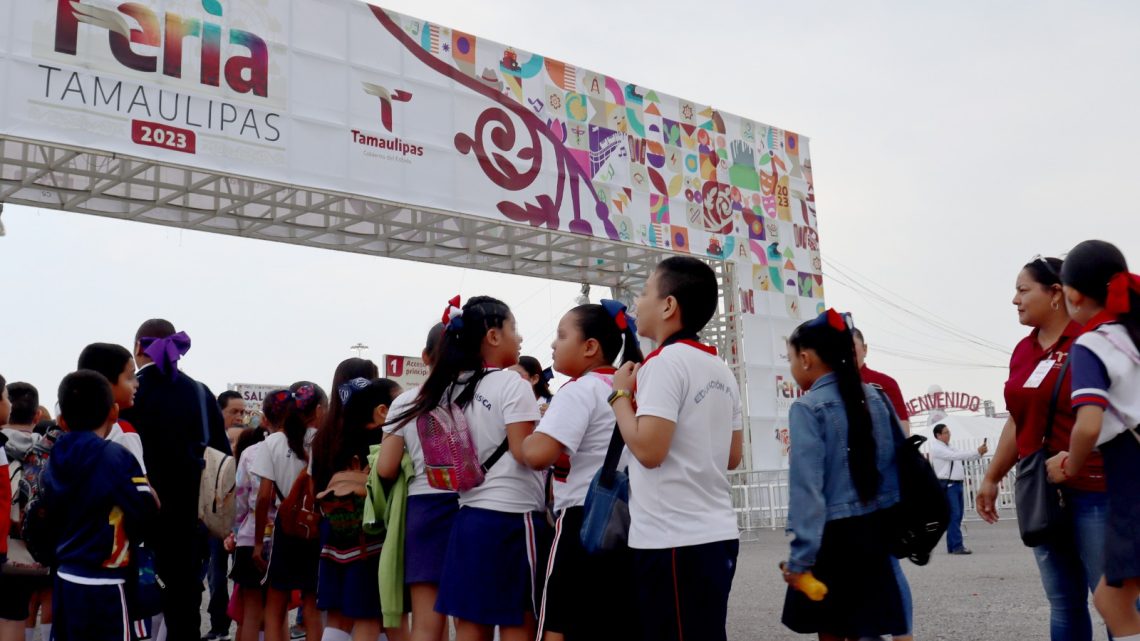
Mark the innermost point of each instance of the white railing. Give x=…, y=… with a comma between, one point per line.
x=761, y=498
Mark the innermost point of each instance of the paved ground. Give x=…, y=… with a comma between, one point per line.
x=993, y=594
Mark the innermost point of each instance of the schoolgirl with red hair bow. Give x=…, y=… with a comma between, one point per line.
x=1104, y=297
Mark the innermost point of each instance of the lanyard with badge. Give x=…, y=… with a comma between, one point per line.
x=1052, y=360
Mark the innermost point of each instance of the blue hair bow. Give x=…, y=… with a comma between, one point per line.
x=346, y=390
x=616, y=310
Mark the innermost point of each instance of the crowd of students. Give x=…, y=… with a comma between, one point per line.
x=341, y=509
x=348, y=506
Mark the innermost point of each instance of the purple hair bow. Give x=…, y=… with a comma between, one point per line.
x=165, y=352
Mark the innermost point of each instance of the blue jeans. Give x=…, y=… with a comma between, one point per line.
x=1073, y=566
x=904, y=591
x=954, y=531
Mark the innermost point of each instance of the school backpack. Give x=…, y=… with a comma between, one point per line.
x=217, y=492
x=451, y=461
x=342, y=505
x=298, y=511
x=923, y=512
x=217, y=485
x=32, y=550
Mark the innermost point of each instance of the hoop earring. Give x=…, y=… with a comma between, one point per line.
x=1055, y=306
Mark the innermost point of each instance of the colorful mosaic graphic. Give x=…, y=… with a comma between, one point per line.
x=636, y=165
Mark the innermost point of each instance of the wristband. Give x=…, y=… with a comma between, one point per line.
x=619, y=393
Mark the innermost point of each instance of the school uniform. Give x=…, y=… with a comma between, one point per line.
x=683, y=528
x=292, y=562
x=1106, y=371
x=497, y=541
x=576, y=583
x=430, y=512
x=98, y=501
x=168, y=417
x=245, y=572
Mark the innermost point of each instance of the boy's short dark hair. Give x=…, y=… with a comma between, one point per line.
x=693, y=283
x=25, y=403
x=939, y=429
x=85, y=400
x=106, y=358
x=224, y=398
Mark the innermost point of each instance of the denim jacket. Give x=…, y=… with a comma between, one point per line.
x=820, y=485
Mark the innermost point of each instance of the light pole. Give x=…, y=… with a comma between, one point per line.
x=359, y=347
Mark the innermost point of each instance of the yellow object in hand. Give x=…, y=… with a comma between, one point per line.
x=812, y=587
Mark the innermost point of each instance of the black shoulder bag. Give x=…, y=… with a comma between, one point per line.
x=1040, y=504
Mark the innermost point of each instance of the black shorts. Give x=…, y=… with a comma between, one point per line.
x=17, y=594
x=245, y=572
x=578, y=582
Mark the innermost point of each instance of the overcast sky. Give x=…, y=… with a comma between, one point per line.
x=950, y=143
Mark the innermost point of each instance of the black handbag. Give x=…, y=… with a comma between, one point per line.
x=1040, y=504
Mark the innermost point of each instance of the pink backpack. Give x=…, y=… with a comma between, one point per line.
x=451, y=460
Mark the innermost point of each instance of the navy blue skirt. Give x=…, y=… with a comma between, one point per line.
x=491, y=573
x=1122, y=532
x=429, y=521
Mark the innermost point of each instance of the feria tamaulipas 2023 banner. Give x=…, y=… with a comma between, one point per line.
x=342, y=95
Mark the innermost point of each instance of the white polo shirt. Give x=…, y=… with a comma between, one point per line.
x=583, y=422
x=687, y=500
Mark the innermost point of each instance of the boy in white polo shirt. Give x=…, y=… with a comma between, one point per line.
x=685, y=434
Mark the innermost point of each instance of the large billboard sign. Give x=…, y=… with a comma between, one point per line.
x=348, y=97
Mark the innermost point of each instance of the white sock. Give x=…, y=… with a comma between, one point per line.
x=333, y=634
x=1131, y=637
x=45, y=631
x=261, y=636
x=29, y=634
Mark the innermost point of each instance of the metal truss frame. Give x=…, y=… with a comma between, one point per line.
x=54, y=176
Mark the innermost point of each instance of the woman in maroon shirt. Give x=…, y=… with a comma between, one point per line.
x=1073, y=565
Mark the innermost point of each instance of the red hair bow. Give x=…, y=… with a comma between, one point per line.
x=1118, y=287
x=453, y=314
x=836, y=320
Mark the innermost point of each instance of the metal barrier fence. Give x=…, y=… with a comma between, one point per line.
x=761, y=498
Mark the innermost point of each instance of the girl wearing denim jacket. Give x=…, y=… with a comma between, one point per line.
x=843, y=486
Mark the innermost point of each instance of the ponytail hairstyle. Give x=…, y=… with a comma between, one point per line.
x=273, y=408
x=248, y=439
x=1098, y=270
x=615, y=332
x=338, y=442
x=300, y=413
x=460, y=351
x=348, y=369
x=534, y=368
x=830, y=337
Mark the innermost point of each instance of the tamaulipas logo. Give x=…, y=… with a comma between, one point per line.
x=386, y=99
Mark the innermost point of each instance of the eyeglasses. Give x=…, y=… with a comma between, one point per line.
x=1048, y=266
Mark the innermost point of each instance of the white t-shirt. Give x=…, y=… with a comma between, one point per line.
x=129, y=440
x=419, y=484
x=583, y=422
x=275, y=461
x=688, y=499
x=502, y=398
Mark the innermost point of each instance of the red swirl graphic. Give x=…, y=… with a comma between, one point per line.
x=500, y=168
